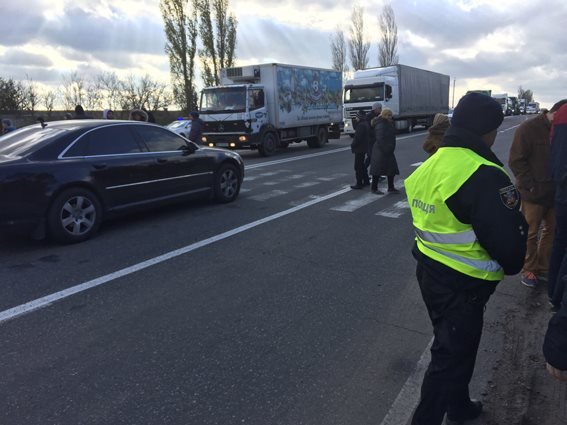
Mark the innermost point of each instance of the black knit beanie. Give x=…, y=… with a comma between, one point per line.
x=478, y=113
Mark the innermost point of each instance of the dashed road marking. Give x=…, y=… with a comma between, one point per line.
x=357, y=203
x=268, y=195
x=395, y=211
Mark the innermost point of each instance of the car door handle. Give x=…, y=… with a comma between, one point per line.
x=161, y=160
x=99, y=166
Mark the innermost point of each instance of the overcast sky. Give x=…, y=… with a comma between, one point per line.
x=482, y=44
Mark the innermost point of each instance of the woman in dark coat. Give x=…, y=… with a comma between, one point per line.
x=383, y=162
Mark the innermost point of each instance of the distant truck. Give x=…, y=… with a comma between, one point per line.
x=268, y=106
x=505, y=102
x=414, y=95
x=485, y=92
x=532, y=108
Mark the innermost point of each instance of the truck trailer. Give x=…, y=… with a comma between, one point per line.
x=268, y=106
x=414, y=95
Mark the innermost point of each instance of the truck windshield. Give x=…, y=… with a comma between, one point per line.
x=373, y=93
x=222, y=99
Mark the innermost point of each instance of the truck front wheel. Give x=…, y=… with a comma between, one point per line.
x=269, y=144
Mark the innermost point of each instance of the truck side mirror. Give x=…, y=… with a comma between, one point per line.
x=388, y=92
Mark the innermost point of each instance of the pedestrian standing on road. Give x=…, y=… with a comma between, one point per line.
x=558, y=261
x=469, y=234
x=435, y=133
x=383, y=161
x=374, y=112
x=196, y=132
x=359, y=148
x=530, y=161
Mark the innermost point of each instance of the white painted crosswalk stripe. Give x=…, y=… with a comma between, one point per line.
x=395, y=211
x=306, y=184
x=268, y=195
x=357, y=203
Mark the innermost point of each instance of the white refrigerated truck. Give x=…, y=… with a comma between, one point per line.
x=268, y=106
x=414, y=95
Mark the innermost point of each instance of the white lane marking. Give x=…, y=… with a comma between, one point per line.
x=271, y=183
x=295, y=158
x=408, y=397
x=296, y=176
x=57, y=296
x=417, y=164
x=243, y=190
x=394, y=211
x=313, y=155
x=355, y=204
x=268, y=195
x=508, y=129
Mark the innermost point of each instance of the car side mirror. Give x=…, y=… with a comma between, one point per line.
x=188, y=148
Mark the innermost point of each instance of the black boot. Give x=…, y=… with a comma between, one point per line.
x=472, y=411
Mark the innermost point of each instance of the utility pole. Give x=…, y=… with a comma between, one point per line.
x=453, y=103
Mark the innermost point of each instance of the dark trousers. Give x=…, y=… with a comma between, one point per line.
x=360, y=168
x=456, y=310
x=558, y=261
x=375, y=180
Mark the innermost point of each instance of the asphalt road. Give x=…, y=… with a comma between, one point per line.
x=296, y=304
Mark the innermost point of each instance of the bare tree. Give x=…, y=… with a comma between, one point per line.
x=358, y=48
x=181, y=31
x=110, y=86
x=388, y=45
x=339, y=51
x=217, y=29
x=144, y=92
x=94, y=95
x=29, y=95
x=72, y=90
x=48, y=100
x=525, y=94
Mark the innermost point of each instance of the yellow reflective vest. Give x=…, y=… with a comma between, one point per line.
x=439, y=235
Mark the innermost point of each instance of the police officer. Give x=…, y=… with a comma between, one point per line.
x=469, y=234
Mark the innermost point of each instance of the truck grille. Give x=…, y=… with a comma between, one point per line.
x=224, y=127
x=352, y=112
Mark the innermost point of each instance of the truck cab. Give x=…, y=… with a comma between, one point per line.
x=234, y=114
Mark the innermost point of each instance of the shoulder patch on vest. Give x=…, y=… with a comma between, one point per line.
x=509, y=196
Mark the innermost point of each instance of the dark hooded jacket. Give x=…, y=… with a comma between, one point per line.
x=196, y=131
x=499, y=226
x=361, y=137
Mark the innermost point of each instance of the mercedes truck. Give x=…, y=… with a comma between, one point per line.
x=269, y=106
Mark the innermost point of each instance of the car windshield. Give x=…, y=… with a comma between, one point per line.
x=178, y=124
x=24, y=140
x=371, y=93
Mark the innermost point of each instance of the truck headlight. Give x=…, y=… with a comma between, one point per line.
x=204, y=139
x=242, y=138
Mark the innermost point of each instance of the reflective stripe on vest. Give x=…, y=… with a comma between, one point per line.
x=447, y=238
x=489, y=266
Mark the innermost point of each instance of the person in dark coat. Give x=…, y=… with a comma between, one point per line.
x=555, y=342
x=197, y=125
x=374, y=112
x=359, y=148
x=383, y=161
x=558, y=261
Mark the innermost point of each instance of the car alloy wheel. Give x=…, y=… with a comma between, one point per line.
x=74, y=216
x=227, y=183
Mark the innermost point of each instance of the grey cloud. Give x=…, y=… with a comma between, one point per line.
x=14, y=57
x=20, y=25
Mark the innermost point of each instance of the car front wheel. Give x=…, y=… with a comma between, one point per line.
x=75, y=215
x=227, y=183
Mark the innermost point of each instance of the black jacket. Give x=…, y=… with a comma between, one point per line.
x=555, y=342
x=383, y=161
x=360, y=141
x=491, y=204
x=196, y=131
